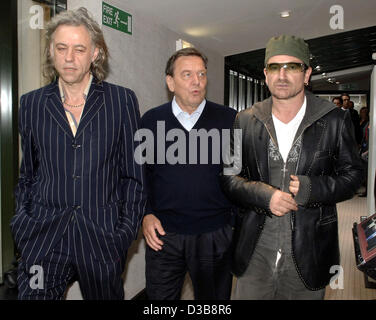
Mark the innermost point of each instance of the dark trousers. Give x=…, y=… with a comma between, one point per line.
x=206, y=257
x=49, y=279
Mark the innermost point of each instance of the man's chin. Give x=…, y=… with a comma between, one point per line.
x=68, y=78
x=71, y=79
x=197, y=101
x=282, y=97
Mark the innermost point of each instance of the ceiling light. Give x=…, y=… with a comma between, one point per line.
x=285, y=14
x=181, y=44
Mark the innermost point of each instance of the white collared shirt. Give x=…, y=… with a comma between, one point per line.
x=286, y=131
x=187, y=120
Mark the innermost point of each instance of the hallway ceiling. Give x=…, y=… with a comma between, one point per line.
x=239, y=30
x=230, y=27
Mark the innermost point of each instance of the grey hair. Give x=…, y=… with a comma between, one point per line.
x=79, y=17
x=191, y=51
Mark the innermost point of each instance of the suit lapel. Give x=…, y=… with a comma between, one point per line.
x=56, y=109
x=94, y=103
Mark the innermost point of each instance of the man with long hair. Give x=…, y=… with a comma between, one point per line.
x=80, y=196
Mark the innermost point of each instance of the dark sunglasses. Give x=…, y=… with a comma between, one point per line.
x=288, y=66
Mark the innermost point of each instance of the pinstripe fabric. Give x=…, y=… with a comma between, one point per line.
x=90, y=178
x=69, y=261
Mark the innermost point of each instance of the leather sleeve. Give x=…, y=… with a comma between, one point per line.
x=239, y=189
x=347, y=175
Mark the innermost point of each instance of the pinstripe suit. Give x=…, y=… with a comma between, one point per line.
x=84, y=193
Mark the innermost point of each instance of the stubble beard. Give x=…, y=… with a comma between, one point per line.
x=287, y=95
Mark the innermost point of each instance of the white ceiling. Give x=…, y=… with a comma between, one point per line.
x=235, y=26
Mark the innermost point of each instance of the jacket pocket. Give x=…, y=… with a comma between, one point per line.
x=327, y=215
x=322, y=154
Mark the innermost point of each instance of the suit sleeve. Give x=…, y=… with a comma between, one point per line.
x=149, y=166
x=132, y=174
x=346, y=177
x=29, y=162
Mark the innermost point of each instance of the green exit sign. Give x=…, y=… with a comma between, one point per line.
x=116, y=18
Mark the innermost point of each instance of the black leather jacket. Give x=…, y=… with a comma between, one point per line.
x=329, y=171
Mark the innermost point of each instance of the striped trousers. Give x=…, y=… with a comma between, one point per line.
x=70, y=260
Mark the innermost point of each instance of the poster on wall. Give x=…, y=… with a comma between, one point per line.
x=115, y=18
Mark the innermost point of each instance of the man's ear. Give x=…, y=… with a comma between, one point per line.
x=266, y=78
x=51, y=50
x=170, y=83
x=307, y=74
x=95, y=54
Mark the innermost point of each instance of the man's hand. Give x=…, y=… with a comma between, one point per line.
x=149, y=225
x=281, y=203
x=294, y=185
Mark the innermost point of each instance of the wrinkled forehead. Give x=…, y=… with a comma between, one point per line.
x=189, y=63
x=72, y=34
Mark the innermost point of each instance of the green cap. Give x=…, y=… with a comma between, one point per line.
x=287, y=45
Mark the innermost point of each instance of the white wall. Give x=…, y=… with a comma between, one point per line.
x=138, y=62
x=29, y=50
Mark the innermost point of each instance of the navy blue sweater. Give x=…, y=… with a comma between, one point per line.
x=187, y=197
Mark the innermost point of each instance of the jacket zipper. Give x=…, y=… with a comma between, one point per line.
x=284, y=163
x=284, y=176
x=271, y=137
